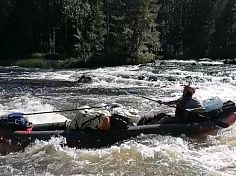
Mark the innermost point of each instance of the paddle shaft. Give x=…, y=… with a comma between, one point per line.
x=65, y=110
x=158, y=101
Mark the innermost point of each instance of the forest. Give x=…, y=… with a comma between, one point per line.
x=90, y=33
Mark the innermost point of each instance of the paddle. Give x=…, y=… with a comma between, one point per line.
x=158, y=101
x=217, y=122
x=66, y=110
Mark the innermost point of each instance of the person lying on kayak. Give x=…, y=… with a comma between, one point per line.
x=186, y=103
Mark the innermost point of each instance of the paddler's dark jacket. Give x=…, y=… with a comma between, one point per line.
x=186, y=103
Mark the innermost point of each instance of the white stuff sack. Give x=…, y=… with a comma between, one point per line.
x=212, y=103
x=131, y=114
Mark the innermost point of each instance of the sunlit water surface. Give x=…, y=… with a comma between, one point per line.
x=35, y=90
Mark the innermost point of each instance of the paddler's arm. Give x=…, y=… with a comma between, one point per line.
x=169, y=103
x=197, y=110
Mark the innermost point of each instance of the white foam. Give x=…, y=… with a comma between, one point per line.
x=28, y=104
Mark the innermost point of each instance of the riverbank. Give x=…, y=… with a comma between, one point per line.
x=62, y=62
x=58, y=61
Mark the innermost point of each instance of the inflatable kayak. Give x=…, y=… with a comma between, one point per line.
x=15, y=130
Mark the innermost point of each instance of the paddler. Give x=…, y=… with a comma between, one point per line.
x=187, y=106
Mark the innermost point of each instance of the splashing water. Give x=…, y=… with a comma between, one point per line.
x=47, y=90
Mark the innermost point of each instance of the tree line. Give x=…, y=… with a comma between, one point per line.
x=113, y=32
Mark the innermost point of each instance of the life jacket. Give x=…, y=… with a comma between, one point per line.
x=186, y=103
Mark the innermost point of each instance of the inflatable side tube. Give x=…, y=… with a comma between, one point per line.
x=167, y=128
x=41, y=135
x=49, y=126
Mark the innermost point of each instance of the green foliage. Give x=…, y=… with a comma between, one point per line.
x=146, y=31
x=88, y=22
x=33, y=62
x=197, y=28
x=124, y=28
x=71, y=63
x=132, y=29
x=89, y=33
x=222, y=42
x=37, y=61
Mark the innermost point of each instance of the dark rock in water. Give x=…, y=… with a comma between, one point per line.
x=162, y=63
x=188, y=77
x=152, y=78
x=230, y=61
x=85, y=79
x=141, y=77
x=170, y=78
x=147, y=78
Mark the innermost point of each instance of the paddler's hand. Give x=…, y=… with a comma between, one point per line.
x=159, y=101
x=196, y=110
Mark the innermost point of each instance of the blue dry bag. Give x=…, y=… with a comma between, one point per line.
x=19, y=119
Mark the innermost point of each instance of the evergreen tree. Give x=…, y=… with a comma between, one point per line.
x=146, y=36
x=123, y=31
x=6, y=8
x=132, y=30
x=97, y=28
x=78, y=12
x=166, y=23
x=87, y=19
x=222, y=42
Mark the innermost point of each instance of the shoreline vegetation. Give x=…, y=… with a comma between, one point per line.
x=43, y=63
x=97, y=33
x=40, y=61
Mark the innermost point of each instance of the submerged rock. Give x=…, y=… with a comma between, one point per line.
x=85, y=79
x=230, y=61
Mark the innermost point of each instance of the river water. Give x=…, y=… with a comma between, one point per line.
x=36, y=90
